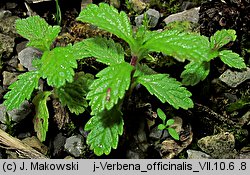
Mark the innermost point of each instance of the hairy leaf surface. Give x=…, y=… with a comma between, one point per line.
x=104, y=50
x=167, y=89
x=110, y=86
x=108, y=18
x=21, y=89
x=221, y=38
x=74, y=94
x=58, y=66
x=232, y=59
x=105, y=129
x=195, y=72
x=37, y=31
x=41, y=118
x=179, y=45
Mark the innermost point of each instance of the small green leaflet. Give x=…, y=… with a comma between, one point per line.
x=179, y=45
x=170, y=122
x=104, y=50
x=108, y=18
x=167, y=89
x=110, y=86
x=232, y=59
x=221, y=38
x=37, y=31
x=74, y=94
x=57, y=66
x=173, y=133
x=161, y=114
x=21, y=90
x=41, y=118
x=161, y=126
x=105, y=129
x=195, y=72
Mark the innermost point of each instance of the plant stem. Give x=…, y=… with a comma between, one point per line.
x=133, y=60
x=58, y=13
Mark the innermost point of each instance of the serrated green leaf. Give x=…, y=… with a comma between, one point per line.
x=74, y=94
x=221, y=38
x=37, y=31
x=173, y=133
x=79, y=50
x=108, y=18
x=161, y=114
x=161, y=126
x=104, y=50
x=21, y=89
x=170, y=122
x=232, y=59
x=58, y=66
x=195, y=72
x=110, y=86
x=179, y=45
x=105, y=129
x=167, y=89
x=41, y=119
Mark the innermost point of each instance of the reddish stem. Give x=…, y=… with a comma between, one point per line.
x=133, y=60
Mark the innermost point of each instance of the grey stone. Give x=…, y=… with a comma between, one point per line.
x=18, y=115
x=131, y=154
x=7, y=26
x=191, y=15
x=24, y=135
x=58, y=144
x=3, y=127
x=219, y=146
x=3, y=113
x=138, y=5
x=20, y=46
x=5, y=14
x=7, y=44
x=75, y=145
x=193, y=154
x=152, y=16
x=13, y=62
x=7, y=34
x=9, y=78
x=15, y=115
x=235, y=78
x=27, y=55
x=157, y=134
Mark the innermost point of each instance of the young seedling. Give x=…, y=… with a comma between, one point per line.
x=167, y=124
x=56, y=66
x=118, y=79
x=106, y=93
